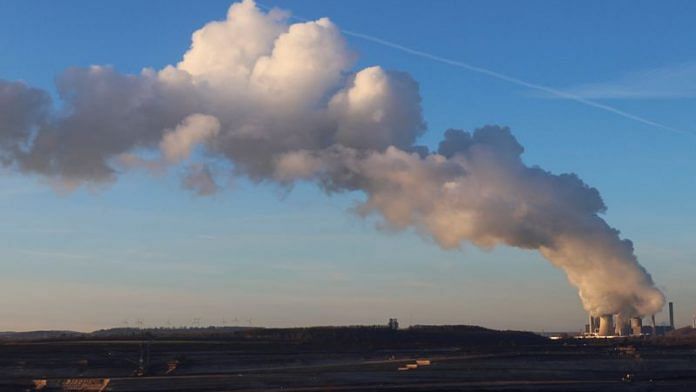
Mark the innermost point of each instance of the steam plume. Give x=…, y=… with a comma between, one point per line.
x=281, y=103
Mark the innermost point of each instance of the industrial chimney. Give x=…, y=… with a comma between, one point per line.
x=671, y=315
x=605, y=325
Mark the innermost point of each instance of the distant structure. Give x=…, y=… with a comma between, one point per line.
x=671, y=315
x=393, y=324
x=636, y=326
x=609, y=325
x=590, y=328
x=606, y=323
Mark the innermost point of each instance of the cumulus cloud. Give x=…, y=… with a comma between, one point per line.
x=105, y=114
x=227, y=51
x=177, y=144
x=281, y=102
x=22, y=108
x=376, y=110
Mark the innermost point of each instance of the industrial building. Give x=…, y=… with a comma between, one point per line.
x=393, y=324
x=609, y=325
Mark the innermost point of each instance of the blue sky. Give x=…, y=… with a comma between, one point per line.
x=143, y=249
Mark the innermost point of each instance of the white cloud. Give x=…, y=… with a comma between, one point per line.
x=177, y=144
x=227, y=51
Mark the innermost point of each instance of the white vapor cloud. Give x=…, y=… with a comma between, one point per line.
x=281, y=102
x=177, y=144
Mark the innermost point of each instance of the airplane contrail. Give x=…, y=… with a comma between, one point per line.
x=513, y=80
x=503, y=77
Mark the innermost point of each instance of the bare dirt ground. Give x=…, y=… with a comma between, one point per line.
x=259, y=365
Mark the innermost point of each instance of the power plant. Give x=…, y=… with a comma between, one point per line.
x=610, y=325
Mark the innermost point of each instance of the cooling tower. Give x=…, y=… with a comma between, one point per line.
x=593, y=325
x=654, y=327
x=636, y=325
x=606, y=323
x=622, y=327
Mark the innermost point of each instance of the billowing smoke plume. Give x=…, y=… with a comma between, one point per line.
x=281, y=103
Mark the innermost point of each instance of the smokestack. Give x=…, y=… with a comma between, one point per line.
x=605, y=325
x=671, y=315
x=636, y=325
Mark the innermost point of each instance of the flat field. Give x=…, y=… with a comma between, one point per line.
x=253, y=363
